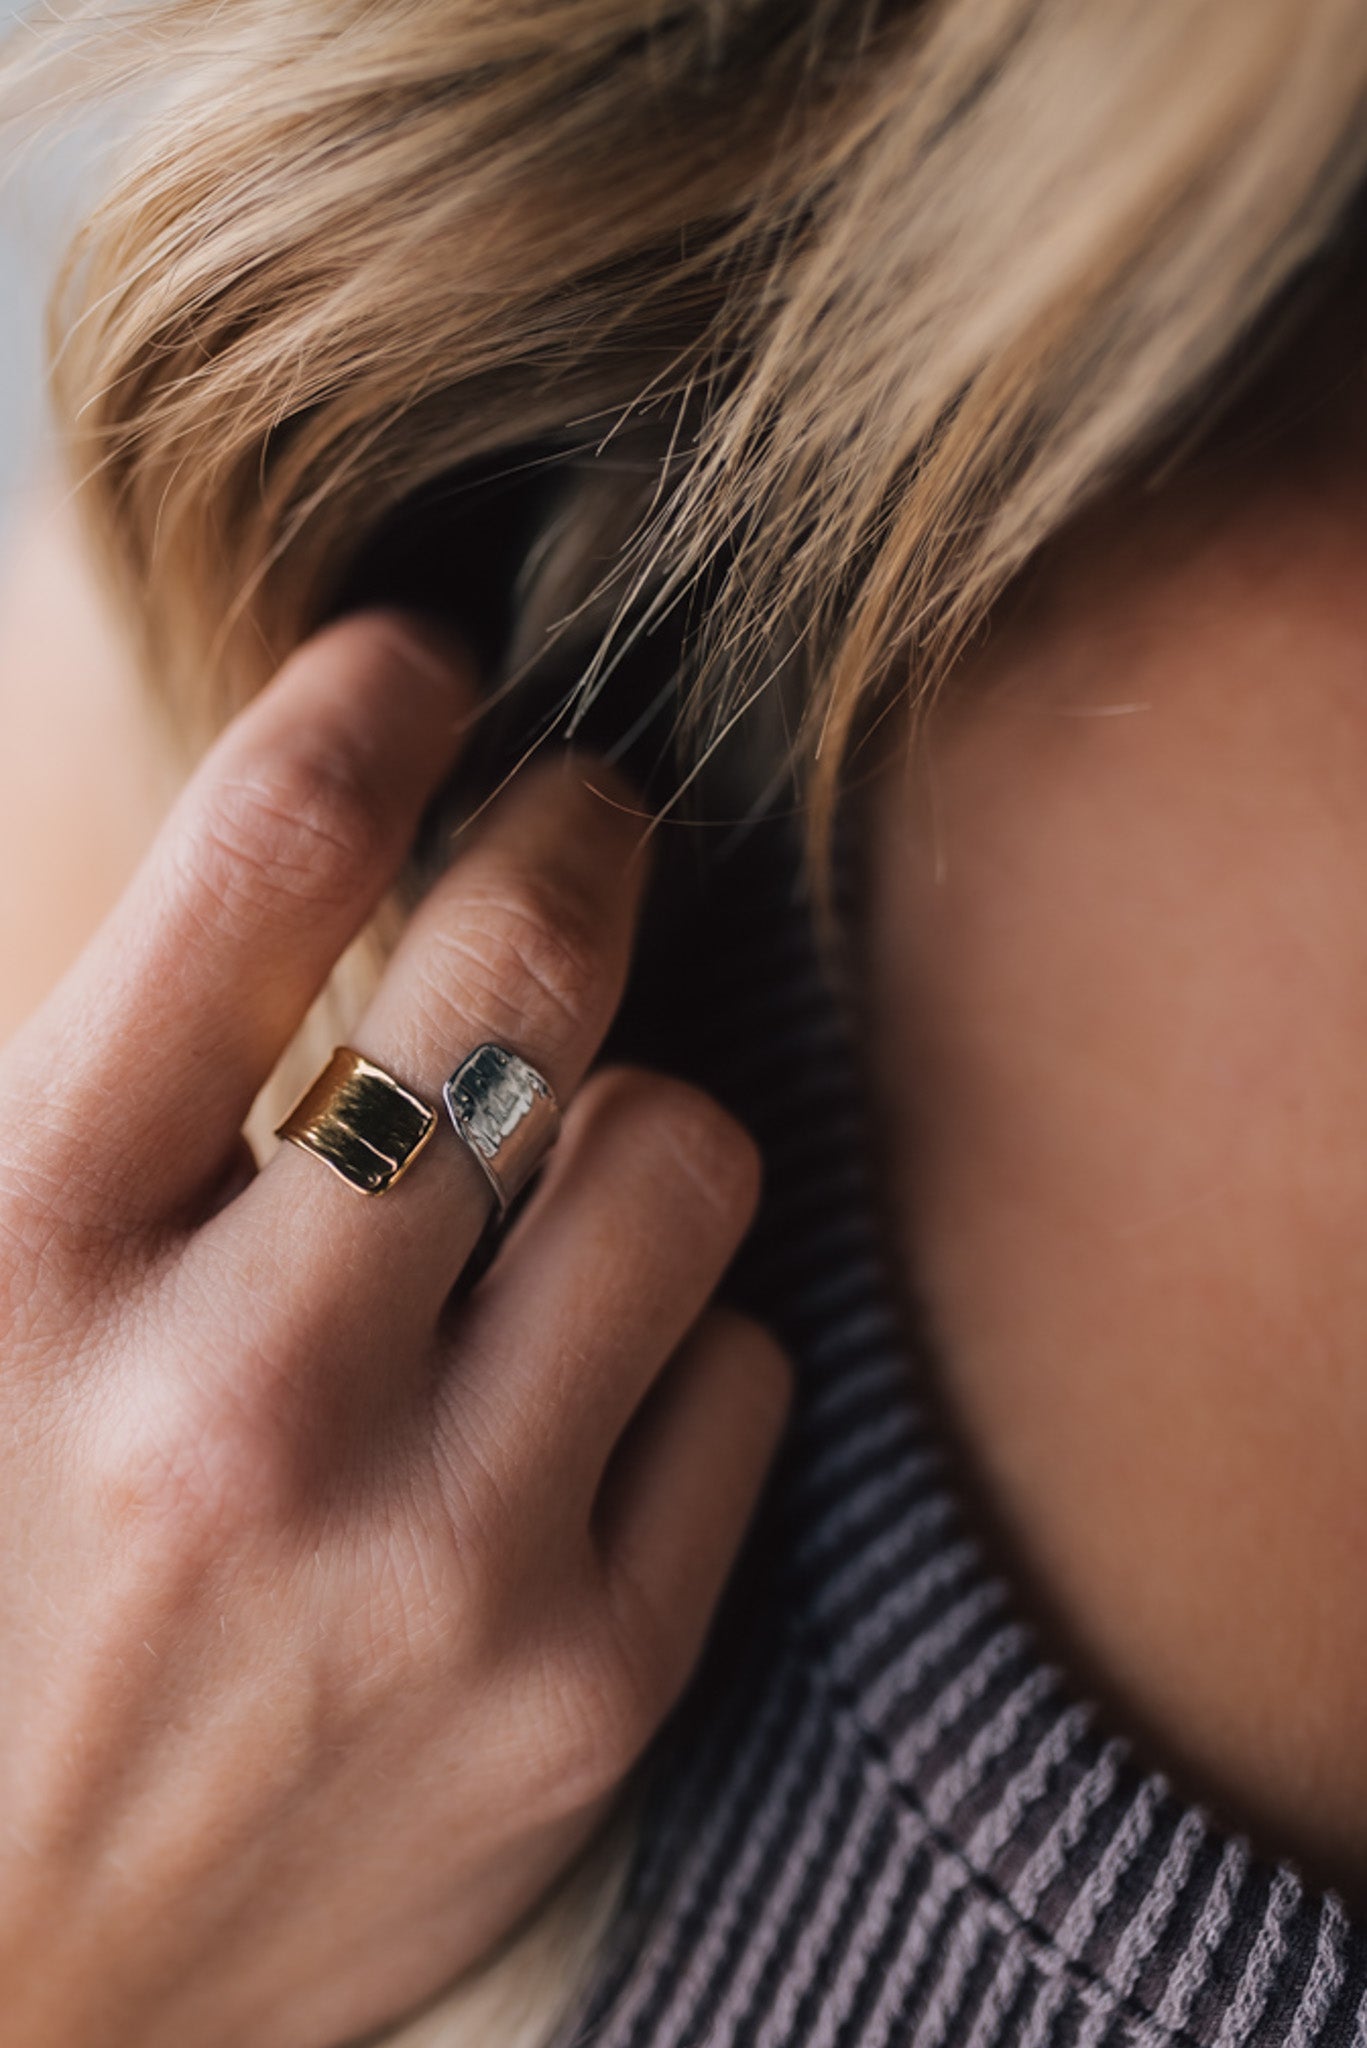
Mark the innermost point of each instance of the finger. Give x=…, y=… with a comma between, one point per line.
x=277, y=852
x=238, y=1173
x=681, y=1490
x=524, y=941
x=649, y=1195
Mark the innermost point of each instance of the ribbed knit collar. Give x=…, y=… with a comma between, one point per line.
x=882, y=1814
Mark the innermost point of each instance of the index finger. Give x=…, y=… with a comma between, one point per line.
x=146, y=1061
x=524, y=941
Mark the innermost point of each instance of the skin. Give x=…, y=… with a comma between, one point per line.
x=333, y=1613
x=1116, y=989
x=83, y=779
x=1118, y=975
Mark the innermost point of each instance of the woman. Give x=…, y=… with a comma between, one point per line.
x=744, y=361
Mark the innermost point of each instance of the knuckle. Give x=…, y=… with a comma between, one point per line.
x=204, y=1440
x=528, y=963
x=606, y=1712
x=187, y=1475
x=305, y=824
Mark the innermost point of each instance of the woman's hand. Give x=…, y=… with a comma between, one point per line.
x=330, y=1615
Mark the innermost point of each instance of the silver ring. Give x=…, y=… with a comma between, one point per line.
x=506, y=1113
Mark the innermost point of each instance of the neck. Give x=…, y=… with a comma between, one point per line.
x=1118, y=970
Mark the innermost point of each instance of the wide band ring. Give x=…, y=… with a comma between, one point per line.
x=507, y=1114
x=361, y=1122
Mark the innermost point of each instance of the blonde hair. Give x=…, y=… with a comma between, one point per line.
x=835, y=312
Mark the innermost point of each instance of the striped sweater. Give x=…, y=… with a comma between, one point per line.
x=881, y=1815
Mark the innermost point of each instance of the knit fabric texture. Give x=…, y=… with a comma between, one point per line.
x=881, y=1814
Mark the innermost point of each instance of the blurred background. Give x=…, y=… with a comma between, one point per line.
x=35, y=202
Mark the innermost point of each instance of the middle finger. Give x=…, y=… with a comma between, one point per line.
x=525, y=941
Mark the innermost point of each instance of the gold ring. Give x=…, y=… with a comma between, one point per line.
x=361, y=1122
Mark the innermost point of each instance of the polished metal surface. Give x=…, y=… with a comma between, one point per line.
x=506, y=1112
x=361, y=1122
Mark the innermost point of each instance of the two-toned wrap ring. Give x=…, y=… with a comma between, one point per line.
x=369, y=1128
